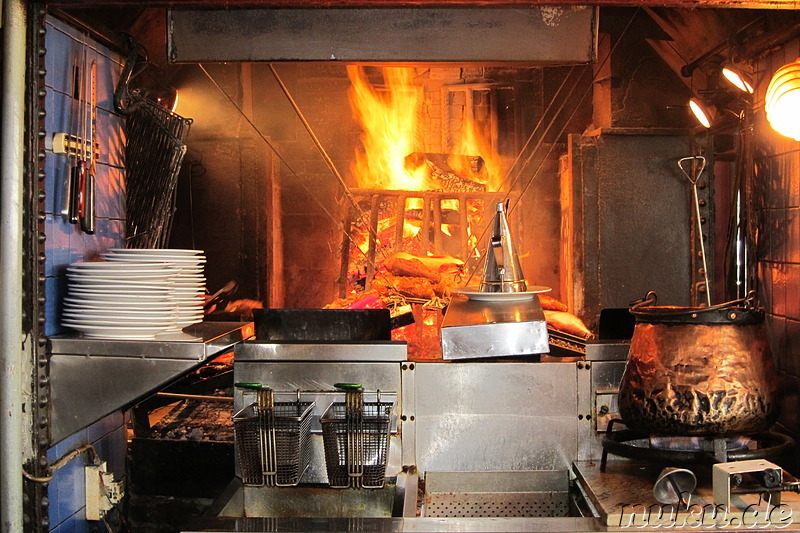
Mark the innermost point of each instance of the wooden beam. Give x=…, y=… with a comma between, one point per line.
x=690, y=4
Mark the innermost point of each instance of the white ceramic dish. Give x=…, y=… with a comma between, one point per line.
x=122, y=295
x=475, y=294
x=156, y=251
x=106, y=332
x=107, y=265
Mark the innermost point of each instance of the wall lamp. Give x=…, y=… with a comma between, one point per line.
x=740, y=80
x=782, y=100
x=704, y=113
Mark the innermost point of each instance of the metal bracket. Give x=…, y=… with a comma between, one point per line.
x=755, y=476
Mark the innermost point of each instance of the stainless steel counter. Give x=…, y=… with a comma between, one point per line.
x=91, y=378
x=395, y=525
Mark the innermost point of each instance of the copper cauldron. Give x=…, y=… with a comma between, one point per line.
x=699, y=371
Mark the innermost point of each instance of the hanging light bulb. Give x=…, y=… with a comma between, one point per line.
x=739, y=79
x=704, y=113
x=782, y=100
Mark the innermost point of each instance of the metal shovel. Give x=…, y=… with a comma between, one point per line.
x=693, y=173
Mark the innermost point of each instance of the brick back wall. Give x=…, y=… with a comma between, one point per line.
x=777, y=205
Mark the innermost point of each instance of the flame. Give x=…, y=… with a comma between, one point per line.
x=390, y=122
x=390, y=118
x=474, y=142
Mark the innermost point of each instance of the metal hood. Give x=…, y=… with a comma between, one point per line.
x=539, y=35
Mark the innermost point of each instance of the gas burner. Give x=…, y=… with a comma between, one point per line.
x=640, y=445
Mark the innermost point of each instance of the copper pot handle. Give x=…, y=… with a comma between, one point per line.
x=651, y=298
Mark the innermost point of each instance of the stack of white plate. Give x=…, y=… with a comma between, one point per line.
x=121, y=300
x=189, y=282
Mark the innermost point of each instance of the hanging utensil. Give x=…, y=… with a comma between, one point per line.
x=87, y=217
x=693, y=173
x=77, y=177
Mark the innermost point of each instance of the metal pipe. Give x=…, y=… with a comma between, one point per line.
x=12, y=360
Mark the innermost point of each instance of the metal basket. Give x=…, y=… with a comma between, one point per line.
x=356, y=439
x=273, y=440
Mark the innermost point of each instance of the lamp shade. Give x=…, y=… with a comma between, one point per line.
x=703, y=112
x=739, y=79
x=782, y=100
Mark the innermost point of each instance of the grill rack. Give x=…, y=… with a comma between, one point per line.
x=273, y=439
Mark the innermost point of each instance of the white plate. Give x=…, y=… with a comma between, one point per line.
x=123, y=322
x=475, y=294
x=156, y=251
x=119, y=313
x=106, y=332
x=107, y=265
x=124, y=278
x=127, y=283
x=120, y=295
x=196, y=261
x=132, y=305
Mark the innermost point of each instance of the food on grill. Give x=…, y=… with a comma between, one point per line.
x=243, y=307
x=548, y=302
x=402, y=264
x=408, y=286
x=567, y=322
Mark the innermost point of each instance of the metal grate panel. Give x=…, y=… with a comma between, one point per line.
x=496, y=505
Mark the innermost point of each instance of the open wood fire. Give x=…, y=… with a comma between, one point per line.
x=417, y=223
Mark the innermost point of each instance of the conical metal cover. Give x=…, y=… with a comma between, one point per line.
x=501, y=270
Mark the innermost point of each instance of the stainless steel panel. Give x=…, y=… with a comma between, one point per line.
x=544, y=35
x=196, y=342
x=602, y=350
x=318, y=502
x=587, y=439
x=477, y=329
x=409, y=414
x=85, y=389
x=318, y=379
x=91, y=378
x=323, y=352
x=514, y=481
x=495, y=416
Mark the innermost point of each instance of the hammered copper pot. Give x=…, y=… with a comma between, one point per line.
x=699, y=371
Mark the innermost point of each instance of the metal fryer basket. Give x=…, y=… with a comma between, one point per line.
x=273, y=441
x=356, y=439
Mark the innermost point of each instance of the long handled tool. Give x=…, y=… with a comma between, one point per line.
x=87, y=217
x=695, y=168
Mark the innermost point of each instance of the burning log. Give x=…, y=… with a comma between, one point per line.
x=470, y=176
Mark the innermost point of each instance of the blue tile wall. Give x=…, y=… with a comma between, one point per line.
x=66, y=243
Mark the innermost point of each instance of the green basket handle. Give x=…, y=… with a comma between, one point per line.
x=251, y=386
x=349, y=386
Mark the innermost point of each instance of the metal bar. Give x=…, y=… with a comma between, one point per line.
x=373, y=240
x=12, y=356
x=437, y=225
x=462, y=230
x=426, y=223
x=400, y=224
x=346, y=240
x=195, y=397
